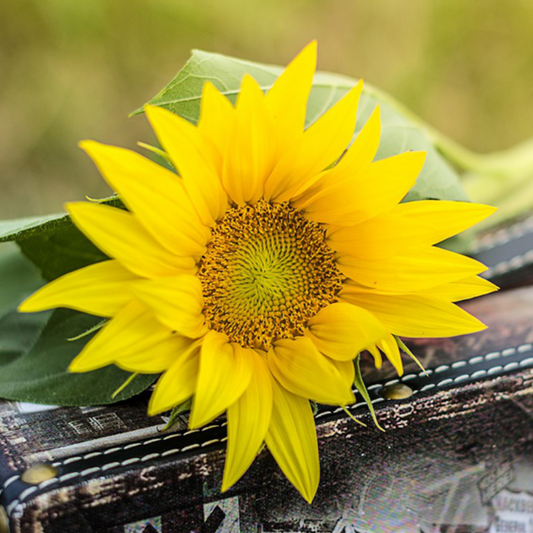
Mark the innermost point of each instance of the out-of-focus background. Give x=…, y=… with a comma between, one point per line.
x=71, y=70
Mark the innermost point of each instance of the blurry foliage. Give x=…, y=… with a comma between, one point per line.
x=71, y=70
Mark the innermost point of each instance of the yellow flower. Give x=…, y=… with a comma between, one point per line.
x=253, y=280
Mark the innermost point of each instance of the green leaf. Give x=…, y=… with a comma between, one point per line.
x=361, y=387
x=53, y=243
x=11, y=230
x=60, y=249
x=19, y=278
x=35, y=354
x=23, y=228
x=400, y=132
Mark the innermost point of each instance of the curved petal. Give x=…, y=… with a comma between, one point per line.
x=418, y=269
x=120, y=235
x=353, y=196
x=454, y=291
x=342, y=330
x=99, y=289
x=177, y=384
x=192, y=154
x=217, y=116
x=464, y=289
x=176, y=302
x=389, y=347
x=320, y=146
x=156, y=196
x=225, y=373
x=445, y=218
x=302, y=369
x=381, y=237
x=287, y=98
x=133, y=340
x=248, y=421
x=354, y=162
x=376, y=354
x=250, y=154
x=414, y=315
x=291, y=439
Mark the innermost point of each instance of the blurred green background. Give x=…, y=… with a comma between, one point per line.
x=73, y=69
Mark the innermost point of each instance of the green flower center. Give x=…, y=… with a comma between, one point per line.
x=267, y=271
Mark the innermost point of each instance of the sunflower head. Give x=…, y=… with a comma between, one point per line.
x=253, y=275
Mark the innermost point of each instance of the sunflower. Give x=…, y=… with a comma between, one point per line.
x=254, y=274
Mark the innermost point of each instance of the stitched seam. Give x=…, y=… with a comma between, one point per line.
x=516, y=262
x=504, y=235
x=472, y=361
x=108, y=466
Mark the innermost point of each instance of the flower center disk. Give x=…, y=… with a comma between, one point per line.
x=267, y=270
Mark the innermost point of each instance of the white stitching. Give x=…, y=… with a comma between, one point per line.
x=504, y=235
x=509, y=265
x=459, y=364
x=27, y=492
x=110, y=465
x=150, y=456
x=127, y=462
x=11, y=506
x=71, y=459
x=487, y=357
x=89, y=455
x=10, y=480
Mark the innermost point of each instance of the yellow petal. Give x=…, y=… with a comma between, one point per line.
x=445, y=218
x=414, y=315
x=380, y=237
x=376, y=354
x=120, y=235
x=463, y=289
x=217, y=116
x=454, y=291
x=176, y=302
x=350, y=197
x=291, y=439
x=156, y=196
x=99, y=289
x=177, y=384
x=287, y=98
x=133, y=340
x=342, y=330
x=225, y=373
x=364, y=148
x=192, y=154
x=248, y=421
x=419, y=269
x=320, y=146
x=249, y=157
x=354, y=162
x=389, y=347
x=302, y=369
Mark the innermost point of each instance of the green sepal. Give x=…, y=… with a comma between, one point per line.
x=361, y=387
x=407, y=351
x=176, y=411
